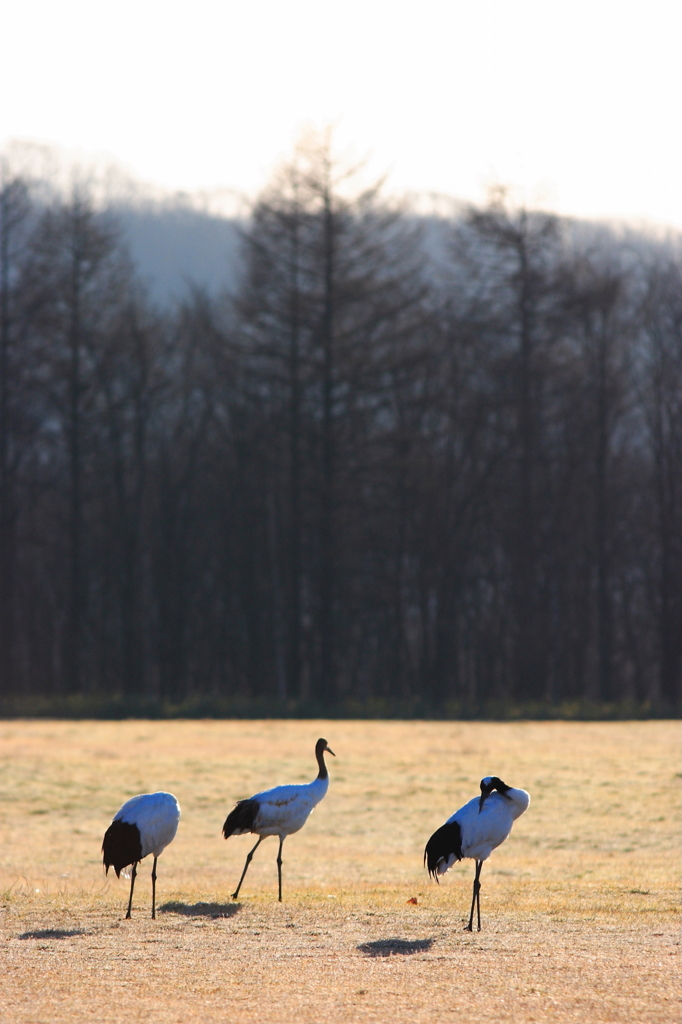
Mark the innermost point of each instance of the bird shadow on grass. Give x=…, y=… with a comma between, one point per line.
x=53, y=933
x=213, y=910
x=395, y=947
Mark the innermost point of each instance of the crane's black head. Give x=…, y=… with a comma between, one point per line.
x=488, y=784
x=322, y=747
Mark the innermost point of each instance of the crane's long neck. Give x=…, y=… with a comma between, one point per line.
x=319, y=754
x=520, y=801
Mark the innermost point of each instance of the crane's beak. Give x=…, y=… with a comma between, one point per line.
x=330, y=751
x=484, y=797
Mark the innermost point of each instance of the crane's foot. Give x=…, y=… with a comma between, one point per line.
x=234, y=896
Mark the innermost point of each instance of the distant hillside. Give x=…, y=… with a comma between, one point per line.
x=175, y=247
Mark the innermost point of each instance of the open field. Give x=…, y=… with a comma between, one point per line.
x=580, y=918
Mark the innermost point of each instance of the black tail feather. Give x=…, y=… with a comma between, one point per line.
x=121, y=846
x=443, y=843
x=241, y=818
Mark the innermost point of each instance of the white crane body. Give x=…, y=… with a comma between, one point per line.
x=156, y=816
x=284, y=810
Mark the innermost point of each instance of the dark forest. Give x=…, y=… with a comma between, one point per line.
x=406, y=465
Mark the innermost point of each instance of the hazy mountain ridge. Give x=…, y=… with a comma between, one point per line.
x=175, y=247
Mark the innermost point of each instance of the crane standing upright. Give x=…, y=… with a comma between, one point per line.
x=474, y=831
x=278, y=812
x=144, y=824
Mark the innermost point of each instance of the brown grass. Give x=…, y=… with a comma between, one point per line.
x=579, y=905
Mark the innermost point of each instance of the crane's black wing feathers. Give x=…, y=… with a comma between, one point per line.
x=241, y=818
x=121, y=846
x=443, y=843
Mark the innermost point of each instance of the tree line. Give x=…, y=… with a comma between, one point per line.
x=422, y=463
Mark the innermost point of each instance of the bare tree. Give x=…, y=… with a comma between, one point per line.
x=663, y=404
x=14, y=218
x=73, y=280
x=513, y=253
x=330, y=274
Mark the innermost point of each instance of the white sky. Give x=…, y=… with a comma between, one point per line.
x=576, y=105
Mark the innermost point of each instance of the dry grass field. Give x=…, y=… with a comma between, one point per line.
x=580, y=919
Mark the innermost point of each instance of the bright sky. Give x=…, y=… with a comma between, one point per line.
x=574, y=104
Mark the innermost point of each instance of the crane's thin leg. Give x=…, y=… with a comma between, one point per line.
x=279, y=866
x=476, y=899
x=132, y=886
x=478, y=894
x=249, y=858
x=154, y=890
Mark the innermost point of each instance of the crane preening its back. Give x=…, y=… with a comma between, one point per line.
x=145, y=824
x=278, y=812
x=474, y=831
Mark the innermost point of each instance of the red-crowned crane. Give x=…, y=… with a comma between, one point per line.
x=474, y=831
x=278, y=812
x=145, y=824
